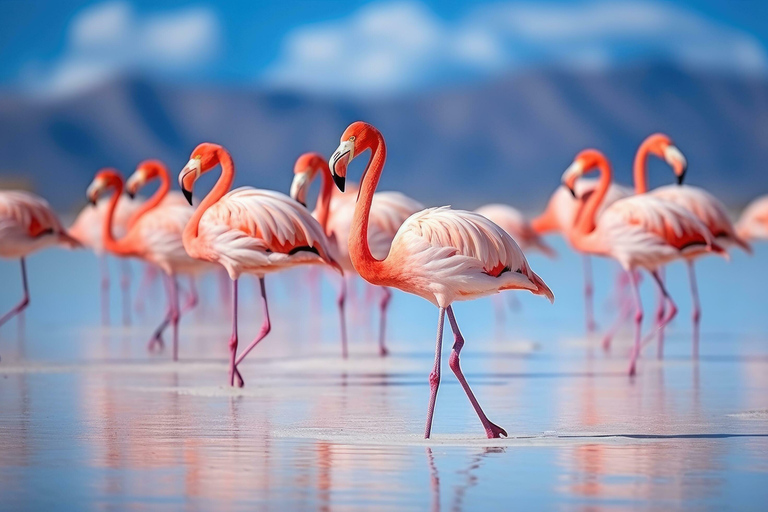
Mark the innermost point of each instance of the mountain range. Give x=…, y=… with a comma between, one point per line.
x=508, y=140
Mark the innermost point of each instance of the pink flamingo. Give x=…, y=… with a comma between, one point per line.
x=559, y=216
x=753, y=223
x=27, y=224
x=334, y=210
x=640, y=232
x=439, y=254
x=703, y=205
x=248, y=231
x=87, y=229
x=155, y=237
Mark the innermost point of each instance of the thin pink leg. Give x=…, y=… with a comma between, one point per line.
x=434, y=377
x=660, y=315
x=491, y=430
x=104, y=289
x=24, y=302
x=125, y=287
x=624, y=311
x=671, y=306
x=383, y=305
x=589, y=289
x=696, y=308
x=499, y=311
x=147, y=277
x=638, y=324
x=157, y=336
x=341, y=301
x=192, y=297
x=175, y=315
x=233, y=371
x=265, y=327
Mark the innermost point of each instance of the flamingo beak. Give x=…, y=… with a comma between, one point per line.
x=571, y=174
x=94, y=189
x=135, y=182
x=188, y=176
x=299, y=187
x=339, y=162
x=675, y=158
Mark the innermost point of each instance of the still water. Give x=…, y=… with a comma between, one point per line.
x=90, y=421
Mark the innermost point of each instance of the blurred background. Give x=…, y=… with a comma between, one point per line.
x=478, y=101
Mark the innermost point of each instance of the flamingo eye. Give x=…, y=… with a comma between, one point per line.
x=198, y=157
x=352, y=139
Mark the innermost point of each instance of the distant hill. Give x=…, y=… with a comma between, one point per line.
x=503, y=141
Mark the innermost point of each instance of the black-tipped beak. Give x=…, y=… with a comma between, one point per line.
x=681, y=178
x=339, y=181
x=92, y=201
x=131, y=194
x=573, y=192
x=302, y=203
x=188, y=195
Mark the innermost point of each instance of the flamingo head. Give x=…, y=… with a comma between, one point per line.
x=356, y=139
x=145, y=172
x=203, y=159
x=663, y=147
x=105, y=179
x=304, y=171
x=586, y=161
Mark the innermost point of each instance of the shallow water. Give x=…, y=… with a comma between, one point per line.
x=90, y=421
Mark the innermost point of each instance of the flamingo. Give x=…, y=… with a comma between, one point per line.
x=334, y=210
x=248, y=231
x=146, y=172
x=753, y=223
x=27, y=224
x=703, y=205
x=558, y=217
x=439, y=254
x=87, y=229
x=155, y=237
x=640, y=232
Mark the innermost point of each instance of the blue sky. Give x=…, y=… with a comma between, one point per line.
x=343, y=46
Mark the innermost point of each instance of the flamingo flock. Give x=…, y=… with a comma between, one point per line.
x=388, y=239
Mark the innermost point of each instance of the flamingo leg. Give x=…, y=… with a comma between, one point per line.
x=383, y=306
x=638, y=323
x=104, y=289
x=125, y=287
x=626, y=309
x=660, y=314
x=434, y=376
x=24, y=302
x=498, y=308
x=157, y=336
x=513, y=303
x=696, y=308
x=265, y=327
x=175, y=314
x=589, y=290
x=149, y=275
x=192, y=297
x=233, y=371
x=341, y=301
x=491, y=430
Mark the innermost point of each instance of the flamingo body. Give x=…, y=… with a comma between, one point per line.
x=753, y=223
x=514, y=222
x=28, y=224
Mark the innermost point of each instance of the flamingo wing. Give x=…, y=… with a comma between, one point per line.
x=250, y=229
x=707, y=208
x=465, y=249
x=514, y=222
x=753, y=222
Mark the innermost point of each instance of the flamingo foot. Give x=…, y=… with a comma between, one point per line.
x=607, y=339
x=383, y=351
x=240, y=381
x=494, y=431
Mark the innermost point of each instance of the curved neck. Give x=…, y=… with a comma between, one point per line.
x=640, y=169
x=110, y=243
x=222, y=186
x=157, y=197
x=586, y=217
x=322, y=209
x=359, y=251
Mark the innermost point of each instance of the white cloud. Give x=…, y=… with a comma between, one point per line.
x=394, y=46
x=111, y=38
